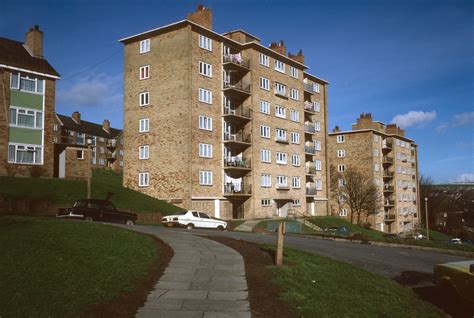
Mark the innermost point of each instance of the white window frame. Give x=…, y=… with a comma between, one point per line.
x=341, y=182
x=205, y=150
x=265, y=131
x=26, y=112
x=144, y=152
x=317, y=145
x=296, y=202
x=317, y=125
x=264, y=60
x=318, y=165
x=293, y=72
x=279, y=66
x=28, y=148
x=316, y=87
x=295, y=138
x=205, y=43
x=316, y=107
x=282, y=181
x=264, y=83
x=341, y=168
x=341, y=153
x=144, y=46
x=143, y=179
x=295, y=160
x=266, y=180
x=294, y=94
x=280, y=89
x=296, y=182
x=144, y=125
x=205, y=178
x=266, y=202
x=39, y=84
x=205, y=69
x=205, y=96
x=264, y=107
x=281, y=158
x=294, y=115
x=205, y=123
x=145, y=72
x=343, y=212
x=265, y=155
x=280, y=111
x=318, y=184
x=340, y=139
x=280, y=134
x=144, y=99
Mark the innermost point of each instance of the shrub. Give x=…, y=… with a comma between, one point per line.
x=11, y=169
x=37, y=171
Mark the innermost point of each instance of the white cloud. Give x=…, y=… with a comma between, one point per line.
x=465, y=177
x=413, y=118
x=92, y=91
x=458, y=120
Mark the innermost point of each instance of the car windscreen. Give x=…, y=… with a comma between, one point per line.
x=80, y=204
x=180, y=213
x=204, y=215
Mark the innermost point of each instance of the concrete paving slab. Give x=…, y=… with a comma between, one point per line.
x=216, y=305
x=222, y=314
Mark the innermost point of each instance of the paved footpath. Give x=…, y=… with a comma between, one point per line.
x=203, y=279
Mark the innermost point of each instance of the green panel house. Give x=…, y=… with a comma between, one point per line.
x=27, y=112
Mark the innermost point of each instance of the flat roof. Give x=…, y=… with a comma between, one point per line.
x=244, y=32
x=368, y=130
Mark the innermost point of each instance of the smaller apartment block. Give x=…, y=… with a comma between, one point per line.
x=386, y=155
x=27, y=96
x=106, y=142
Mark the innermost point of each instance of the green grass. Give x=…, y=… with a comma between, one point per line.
x=66, y=192
x=332, y=221
x=235, y=223
x=58, y=268
x=316, y=286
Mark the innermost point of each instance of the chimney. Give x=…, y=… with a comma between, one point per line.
x=278, y=47
x=299, y=57
x=336, y=129
x=76, y=116
x=34, y=41
x=202, y=16
x=106, y=125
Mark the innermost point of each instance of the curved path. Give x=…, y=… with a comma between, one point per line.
x=203, y=279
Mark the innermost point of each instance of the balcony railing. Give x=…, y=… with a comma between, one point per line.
x=389, y=203
x=309, y=128
x=310, y=191
x=239, y=137
x=387, y=144
x=387, y=160
x=308, y=106
x=310, y=170
x=310, y=149
x=236, y=59
x=240, y=111
x=241, y=86
x=281, y=93
x=237, y=189
x=282, y=186
x=389, y=216
x=388, y=174
x=308, y=88
x=282, y=139
x=237, y=162
x=388, y=188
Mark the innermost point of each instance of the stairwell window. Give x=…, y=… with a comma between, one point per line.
x=205, y=69
x=144, y=125
x=341, y=168
x=144, y=152
x=144, y=46
x=297, y=202
x=343, y=212
x=341, y=153
x=266, y=202
x=205, y=96
x=143, y=179
x=144, y=72
x=205, y=43
x=144, y=99
x=340, y=139
x=205, y=178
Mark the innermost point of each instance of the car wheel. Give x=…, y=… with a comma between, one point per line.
x=89, y=219
x=130, y=222
x=190, y=226
x=220, y=228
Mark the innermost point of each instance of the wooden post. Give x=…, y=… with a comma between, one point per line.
x=281, y=238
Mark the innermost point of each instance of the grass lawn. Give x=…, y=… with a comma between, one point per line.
x=56, y=268
x=332, y=221
x=316, y=286
x=66, y=192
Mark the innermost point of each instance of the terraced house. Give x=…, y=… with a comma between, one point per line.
x=27, y=98
x=383, y=152
x=223, y=124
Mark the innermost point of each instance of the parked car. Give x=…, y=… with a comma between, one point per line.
x=455, y=240
x=191, y=219
x=457, y=277
x=97, y=210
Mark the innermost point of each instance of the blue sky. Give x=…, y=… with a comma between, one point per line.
x=411, y=62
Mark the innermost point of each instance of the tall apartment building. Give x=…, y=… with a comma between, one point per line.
x=386, y=155
x=221, y=123
x=27, y=95
x=106, y=142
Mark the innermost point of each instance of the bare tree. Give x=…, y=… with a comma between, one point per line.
x=359, y=192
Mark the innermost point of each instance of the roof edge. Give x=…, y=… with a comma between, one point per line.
x=29, y=71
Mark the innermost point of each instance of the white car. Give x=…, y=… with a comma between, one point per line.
x=191, y=219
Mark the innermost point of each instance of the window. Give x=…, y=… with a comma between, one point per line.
x=144, y=152
x=376, y=167
x=280, y=89
x=280, y=134
x=264, y=107
x=296, y=202
x=144, y=46
x=318, y=184
x=343, y=212
x=294, y=115
x=294, y=94
x=316, y=87
x=264, y=60
x=205, y=43
x=55, y=140
x=144, y=125
x=205, y=177
x=341, y=153
x=144, y=72
x=143, y=179
x=26, y=118
x=205, y=150
x=265, y=155
x=317, y=165
x=295, y=160
x=121, y=163
x=296, y=182
x=281, y=158
x=341, y=168
x=101, y=161
x=144, y=98
x=80, y=140
x=205, y=69
x=341, y=182
x=266, y=202
x=316, y=107
x=19, y=153
x=102, y=150
x=121, y=152
x=205, y=123
x=295, y=137
x=376, y=138
x=264, y=131
x=55, y=127
x=376, y=152
x=279, y=66
x=27, y=83
x=101, y=139
x=340, y=139
x=280, y=111
x=342, y=198
x=266, y=180
x=282, y=181
x=293, y=72
x=205, y=96
x=317, y=125
x=317, y=145
x=264, y=83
